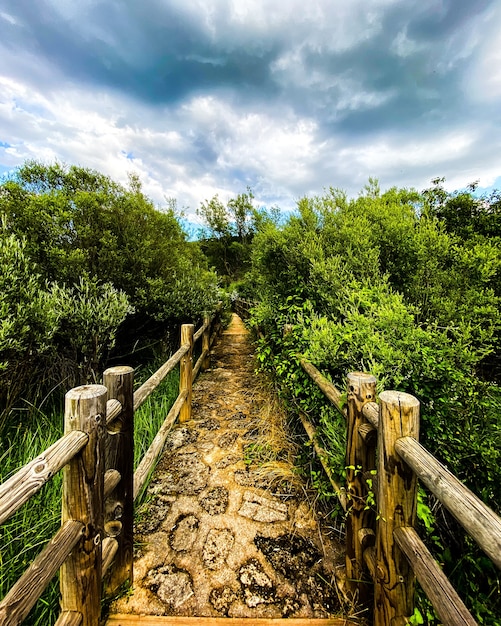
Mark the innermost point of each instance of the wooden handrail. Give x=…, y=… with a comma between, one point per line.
x=432, y=579
x=98, y=432
x=479, y=521
x=141, y=394
x=18, y=489
x=19, y=601
x=325, y=385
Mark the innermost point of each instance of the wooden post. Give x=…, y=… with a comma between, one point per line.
x=206, y=344
x=360, y=458
x=397, y=501
x=119, y=455
x=186, y=371
x=83, y=487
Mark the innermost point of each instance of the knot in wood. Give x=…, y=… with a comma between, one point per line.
x=40, y=467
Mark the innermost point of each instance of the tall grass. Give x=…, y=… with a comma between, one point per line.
x=23, y=536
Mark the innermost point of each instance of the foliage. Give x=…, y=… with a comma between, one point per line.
x=80, y=254
x=228, y=232
x=390, y=283
x=77, y=221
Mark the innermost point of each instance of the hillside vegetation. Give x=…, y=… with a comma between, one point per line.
x=407, y=286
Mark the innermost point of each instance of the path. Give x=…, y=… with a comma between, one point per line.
x=214, y=537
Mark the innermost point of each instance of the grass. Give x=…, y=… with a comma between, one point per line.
x=23, y=536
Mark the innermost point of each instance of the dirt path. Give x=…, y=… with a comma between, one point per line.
x=214, y=538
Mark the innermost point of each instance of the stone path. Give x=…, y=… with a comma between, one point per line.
x=214, y=537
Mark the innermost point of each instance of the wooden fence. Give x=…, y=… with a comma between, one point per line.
x=95, y=542
x=384, y=461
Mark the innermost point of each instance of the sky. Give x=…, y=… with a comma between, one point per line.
x=287, y=97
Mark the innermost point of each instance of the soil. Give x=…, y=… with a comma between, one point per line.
x=215, y=539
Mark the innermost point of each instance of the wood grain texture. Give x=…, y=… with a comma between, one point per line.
x=69, y=618
x=19, y=601
x=18, y=489
x=397, y=502
x=371, y=413
x=186, y=372
x=153, y=620
x=83, y=488
x=477, y=519
x=361, y=388
x=119, y=456
x=206, y=343
x=434, y=582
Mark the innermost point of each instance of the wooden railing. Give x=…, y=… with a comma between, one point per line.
x=96, y=453
x=384, y=460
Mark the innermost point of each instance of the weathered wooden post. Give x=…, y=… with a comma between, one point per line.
x=360, y=458
x=397, y=501
x=83, y=486
x=186, y=371
x=119, y=456
x=206, y=343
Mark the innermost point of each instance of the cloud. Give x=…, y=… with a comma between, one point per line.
x=209, y=96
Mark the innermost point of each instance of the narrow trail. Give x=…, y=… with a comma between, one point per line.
x=215, y=537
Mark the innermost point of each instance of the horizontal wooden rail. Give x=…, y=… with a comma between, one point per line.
x=19, y=601
x=149, y=459
x=18, y=489
x=113, y=410
x=479, y=521
x=111, y=479
x=201, y=330
x=110, y=548
x=434, y=582
x=325, y=385
x=322, y=455
x=141, y=394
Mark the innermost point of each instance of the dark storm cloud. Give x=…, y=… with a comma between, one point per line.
x=152, y=51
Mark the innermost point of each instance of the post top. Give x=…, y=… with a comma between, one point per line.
x=118, y=369
x=365, y=376
x=399, y=398
x=86, y=392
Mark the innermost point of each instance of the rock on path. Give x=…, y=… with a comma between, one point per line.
x=213, y=539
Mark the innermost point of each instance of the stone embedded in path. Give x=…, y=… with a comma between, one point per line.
x=184, y=533
x=180, y=437
x=261, y=509
x=189, y=475
x=152, y=514
x=257, y=586
x=216, y=501
x=291, y=555
x=172, y=585
x=208, y=424
x=231, y=459
x=222, y=598
x=217, y=546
